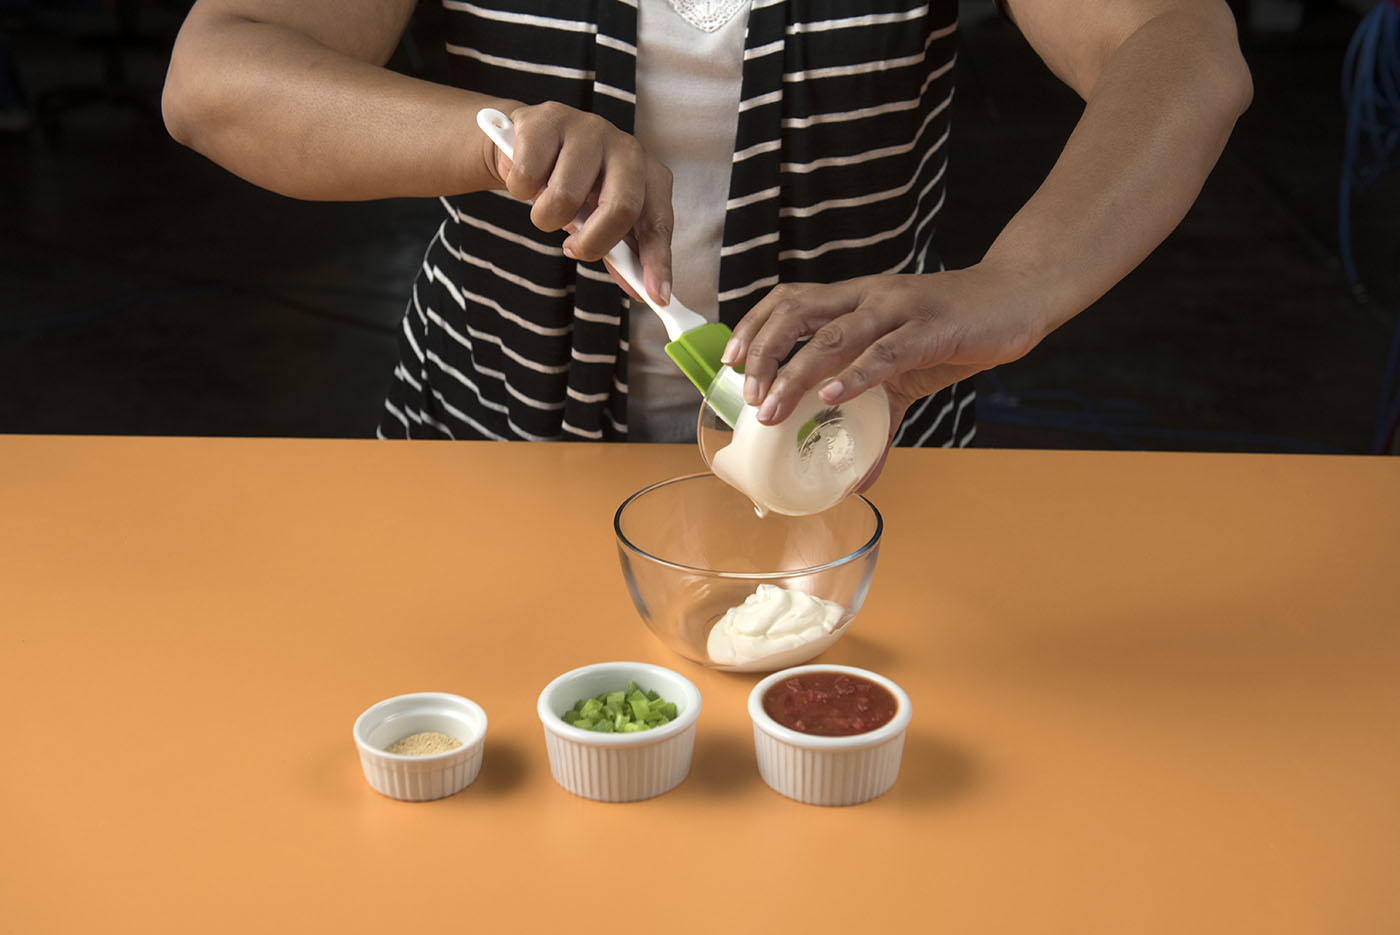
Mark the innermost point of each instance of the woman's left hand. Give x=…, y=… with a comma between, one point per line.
x=915, y=334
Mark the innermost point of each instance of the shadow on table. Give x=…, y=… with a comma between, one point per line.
x=722, y=763
x=503, y=768
x=855, y=649
x=933, y=770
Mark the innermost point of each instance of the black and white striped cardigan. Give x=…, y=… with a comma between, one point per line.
x=838, y=172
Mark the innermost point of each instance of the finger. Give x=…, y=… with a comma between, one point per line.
x=626, y=287
x=738, y=347
x=502, y=164
x=537, y=145
x=654, y=228
x=834, y=345
x=496, y=163
x=910, y=346
x=788, y=312
x=925, y=382
x=570, y=184
x=620, y=195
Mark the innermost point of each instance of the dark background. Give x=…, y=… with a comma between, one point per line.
x=147, y=291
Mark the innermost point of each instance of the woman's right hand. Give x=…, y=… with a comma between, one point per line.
x=568, y=163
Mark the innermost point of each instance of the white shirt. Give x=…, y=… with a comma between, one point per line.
x=690, y=56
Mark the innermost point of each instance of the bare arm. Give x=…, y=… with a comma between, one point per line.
x=1163, y=82
x=292, y=96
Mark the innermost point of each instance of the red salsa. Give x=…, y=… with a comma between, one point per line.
x=829, y=704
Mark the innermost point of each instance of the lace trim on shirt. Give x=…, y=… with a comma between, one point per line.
x=707, y=15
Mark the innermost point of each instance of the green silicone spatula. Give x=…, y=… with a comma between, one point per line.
x=694, y=344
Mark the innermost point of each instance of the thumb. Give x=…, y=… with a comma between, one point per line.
x=503, y=165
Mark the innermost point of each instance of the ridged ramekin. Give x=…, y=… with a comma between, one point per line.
x=828, y=770
x=619, y=767
x=421, y=778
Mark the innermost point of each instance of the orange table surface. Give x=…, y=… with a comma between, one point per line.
x=1152, y=693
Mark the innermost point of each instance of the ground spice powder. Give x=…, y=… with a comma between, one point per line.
x=423, y=743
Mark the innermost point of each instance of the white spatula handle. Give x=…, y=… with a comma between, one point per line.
x=676, y=317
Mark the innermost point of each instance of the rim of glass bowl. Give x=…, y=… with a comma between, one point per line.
x=760, y=575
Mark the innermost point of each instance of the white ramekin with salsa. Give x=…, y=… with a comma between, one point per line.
x=829, y=734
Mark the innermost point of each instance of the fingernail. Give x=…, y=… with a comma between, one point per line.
x=731, y=351
x=766, y=411
x=665, y=293
x=568, y=252
x=750, y=390
x=832, y=391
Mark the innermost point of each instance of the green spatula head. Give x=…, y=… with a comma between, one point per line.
x=697, y=352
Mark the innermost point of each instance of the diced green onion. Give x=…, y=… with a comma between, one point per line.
x=628, y=711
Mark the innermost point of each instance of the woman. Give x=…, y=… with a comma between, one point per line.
x=801, y=143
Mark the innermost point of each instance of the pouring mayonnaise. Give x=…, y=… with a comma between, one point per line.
x=807, y=463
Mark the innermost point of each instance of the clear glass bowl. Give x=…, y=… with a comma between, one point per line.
x=692, y=548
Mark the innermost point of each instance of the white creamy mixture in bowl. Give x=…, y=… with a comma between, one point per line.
x=725, y=588
x=775, y=627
